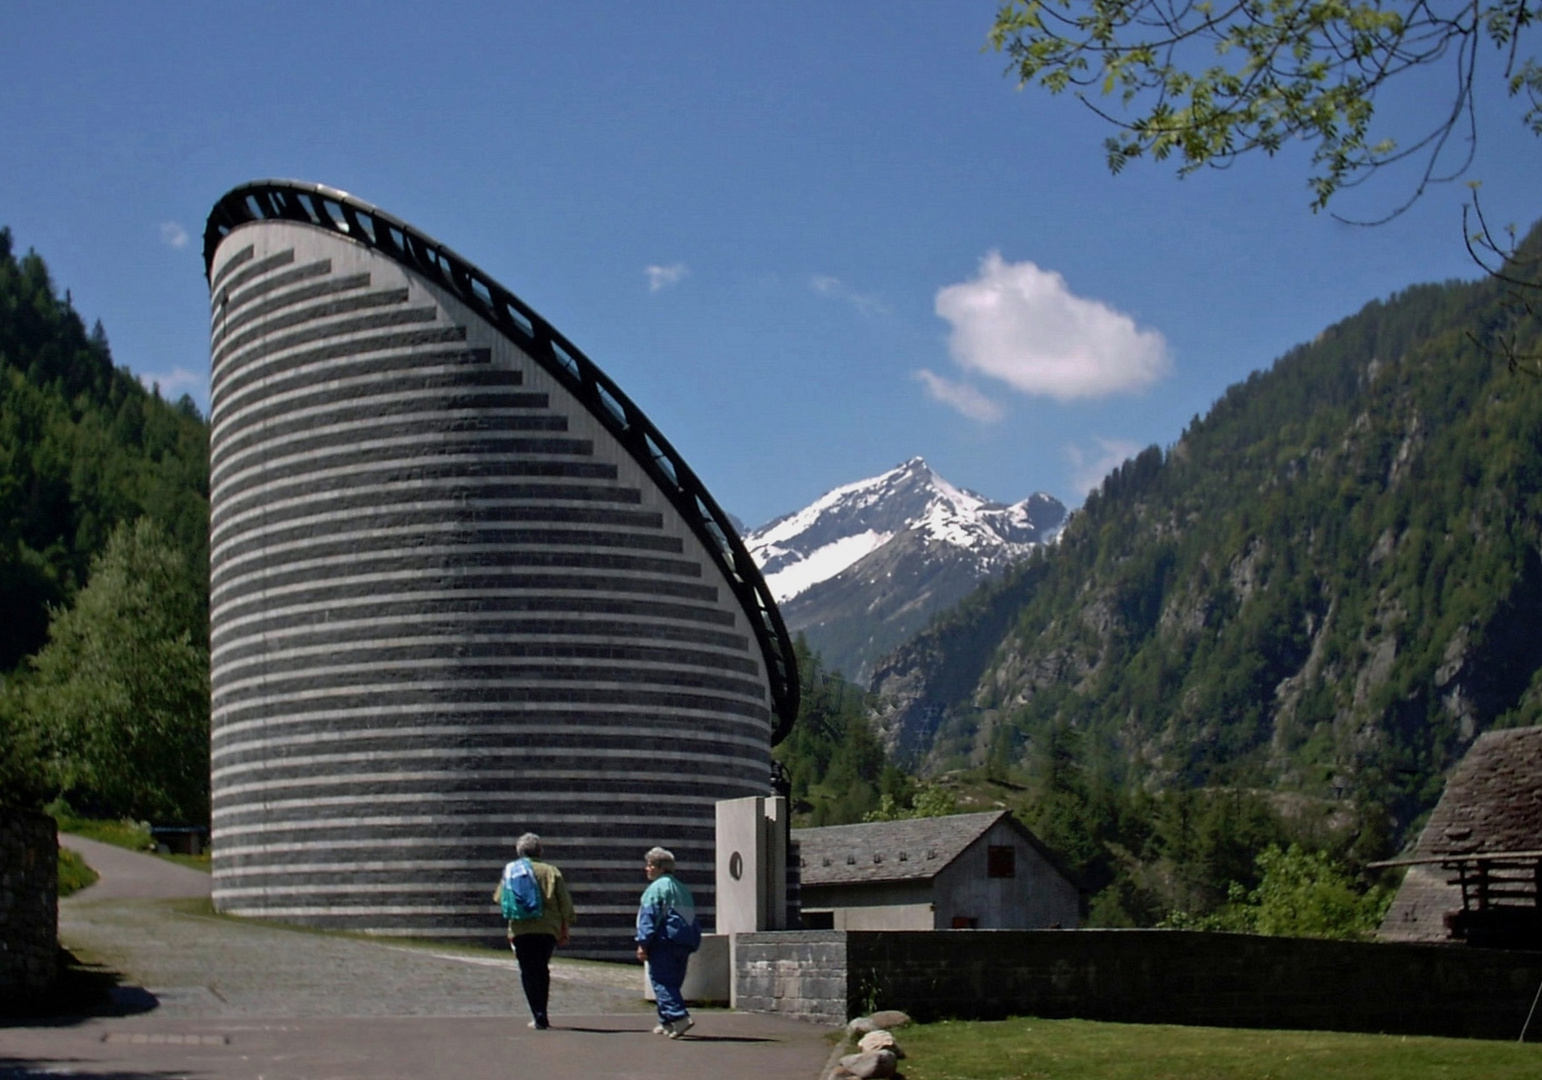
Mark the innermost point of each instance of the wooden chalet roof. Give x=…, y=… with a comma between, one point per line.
x=915, y=849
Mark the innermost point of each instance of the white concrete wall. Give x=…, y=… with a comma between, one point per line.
x=885, y=917
x=894, y=906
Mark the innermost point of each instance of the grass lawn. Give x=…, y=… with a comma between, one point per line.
x=1030, y=1049
x=133, y=835
x=74, y=874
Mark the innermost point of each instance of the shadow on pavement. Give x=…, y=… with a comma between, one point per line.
x=686, y=1038
x=84, y=991
x=723, y=1039
x=27, y=1069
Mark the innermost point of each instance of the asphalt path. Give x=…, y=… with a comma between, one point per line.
x=217, y=998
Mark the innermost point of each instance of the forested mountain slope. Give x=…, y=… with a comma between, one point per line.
x=1329, y=585
x=83, y=447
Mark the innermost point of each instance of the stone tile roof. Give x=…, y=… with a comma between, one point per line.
x=912, y=850
x=1492, y=803
x=1493, y=800
x=1418, y=911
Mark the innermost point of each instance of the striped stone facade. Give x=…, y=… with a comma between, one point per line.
x=448, y=606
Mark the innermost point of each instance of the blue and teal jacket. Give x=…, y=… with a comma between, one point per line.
x=667, y=914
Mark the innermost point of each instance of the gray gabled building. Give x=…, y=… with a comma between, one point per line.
x=964, y=871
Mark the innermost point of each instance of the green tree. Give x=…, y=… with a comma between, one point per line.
x=119, y=697
x=928, y=800
x=834, y=760
x=25, y=776
x=1210, y=82
x=1300, y=893
x=83, y=446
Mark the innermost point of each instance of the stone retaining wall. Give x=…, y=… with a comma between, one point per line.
x=1143, y=976
x=29, y=904
x=798, y=973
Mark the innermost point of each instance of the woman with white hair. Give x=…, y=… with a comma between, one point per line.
x=667, y=933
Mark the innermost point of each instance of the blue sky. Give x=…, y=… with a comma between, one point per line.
x=811, y=240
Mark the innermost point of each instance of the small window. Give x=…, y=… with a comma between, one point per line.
x=1001, y=861
x=965, y=922
x=819, y=920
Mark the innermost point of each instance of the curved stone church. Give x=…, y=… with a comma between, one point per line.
x=461, y=589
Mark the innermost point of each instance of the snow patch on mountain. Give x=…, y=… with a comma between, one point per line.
x=840, y=528
x=821, y=564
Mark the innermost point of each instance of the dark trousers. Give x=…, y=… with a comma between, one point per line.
x=533, y=951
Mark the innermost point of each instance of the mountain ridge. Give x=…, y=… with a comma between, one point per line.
x=868, y=563
x=1324, y=586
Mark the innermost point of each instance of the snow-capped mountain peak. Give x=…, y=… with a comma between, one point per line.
x=843, y=526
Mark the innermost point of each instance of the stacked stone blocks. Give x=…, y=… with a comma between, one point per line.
x=29, y=905
x=798, y=973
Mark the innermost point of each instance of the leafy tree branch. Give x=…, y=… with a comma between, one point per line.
x=1518, y=270
x=1209, y=83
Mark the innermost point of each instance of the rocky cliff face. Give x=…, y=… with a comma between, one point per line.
x=919, y=685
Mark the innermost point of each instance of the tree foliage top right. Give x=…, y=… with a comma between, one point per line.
x=1210, y=81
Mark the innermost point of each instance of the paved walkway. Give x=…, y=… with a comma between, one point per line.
x=225, y=999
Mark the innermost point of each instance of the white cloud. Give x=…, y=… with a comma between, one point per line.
x=865, y=303
x=1088, y=470
x=1022, y=325
x=961, y=396
x=662, y=277
x=177, y=382
x=173, y=235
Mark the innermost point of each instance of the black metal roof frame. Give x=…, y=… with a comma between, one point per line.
x=341, y=213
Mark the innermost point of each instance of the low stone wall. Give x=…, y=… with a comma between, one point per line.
x=29, y=904
x=798, y=973
x=1143, y=976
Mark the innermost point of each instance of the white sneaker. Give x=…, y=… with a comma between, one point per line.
x=659, y=1029
x=679, y=1027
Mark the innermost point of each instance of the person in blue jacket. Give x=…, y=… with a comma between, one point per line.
x=667, y=934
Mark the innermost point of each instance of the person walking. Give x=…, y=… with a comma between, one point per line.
x=668, y=932
x=535, y=901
